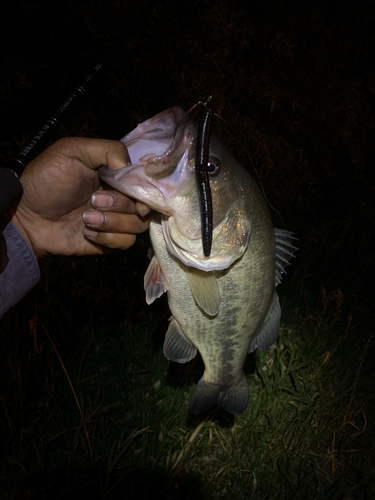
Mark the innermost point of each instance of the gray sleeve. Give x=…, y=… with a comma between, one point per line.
x=19, y=270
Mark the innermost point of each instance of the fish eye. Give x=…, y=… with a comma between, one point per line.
x=213, y=167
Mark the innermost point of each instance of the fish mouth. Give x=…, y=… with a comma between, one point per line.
x=159, y=145
x=159, y=153
x=157, y=138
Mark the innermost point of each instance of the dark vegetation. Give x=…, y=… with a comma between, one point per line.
x=88, y=404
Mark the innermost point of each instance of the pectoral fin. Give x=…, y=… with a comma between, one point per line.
x=176, y=346
x=205, y=290
x=269, y=332
x=154, y=281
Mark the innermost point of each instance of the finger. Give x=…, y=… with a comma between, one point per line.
x=118, y=202
x=114, y=201
x=94, y=152
x=114, y=222
x=142, y=209
x=119, y=241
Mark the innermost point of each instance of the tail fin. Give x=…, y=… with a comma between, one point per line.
x=233, y=399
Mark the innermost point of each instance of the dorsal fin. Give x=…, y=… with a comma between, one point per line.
x=284, y=252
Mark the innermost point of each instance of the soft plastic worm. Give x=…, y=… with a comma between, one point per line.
x=201, y=162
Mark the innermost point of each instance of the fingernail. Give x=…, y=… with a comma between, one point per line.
x=93, y=218
x=101, y=200
x=89, y=233
x=142, y=210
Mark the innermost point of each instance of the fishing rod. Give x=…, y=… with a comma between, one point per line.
x=201, y=171
x=10, y=187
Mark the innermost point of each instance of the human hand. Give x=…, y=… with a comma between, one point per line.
x=63, y=210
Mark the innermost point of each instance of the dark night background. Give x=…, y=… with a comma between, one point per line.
x=295, y=82
x=294, y=79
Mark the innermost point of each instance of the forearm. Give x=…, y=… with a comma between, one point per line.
x=19, y=270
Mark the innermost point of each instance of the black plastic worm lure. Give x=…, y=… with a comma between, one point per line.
x=201, y=162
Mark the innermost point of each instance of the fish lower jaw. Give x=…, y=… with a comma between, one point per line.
x=153, y=198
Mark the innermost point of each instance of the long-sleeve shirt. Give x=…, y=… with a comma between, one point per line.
x=19, y=270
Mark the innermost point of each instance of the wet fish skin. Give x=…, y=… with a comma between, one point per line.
x=224, y=305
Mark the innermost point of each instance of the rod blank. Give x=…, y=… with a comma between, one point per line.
x=10, y=186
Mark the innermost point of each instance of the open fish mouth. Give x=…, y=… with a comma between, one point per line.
x=157, y=148
x=157, y=138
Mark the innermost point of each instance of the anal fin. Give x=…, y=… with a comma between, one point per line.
x=176, y=346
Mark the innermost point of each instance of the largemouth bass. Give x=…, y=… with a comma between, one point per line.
x=224, y=305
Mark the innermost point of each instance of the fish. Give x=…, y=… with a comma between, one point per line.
x=224, y=305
